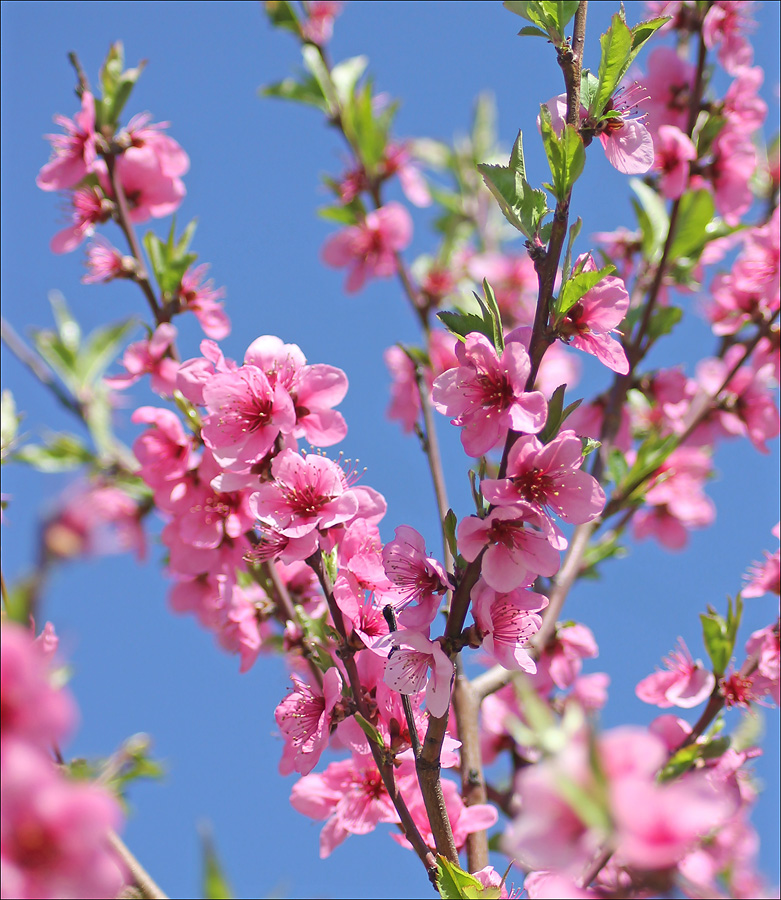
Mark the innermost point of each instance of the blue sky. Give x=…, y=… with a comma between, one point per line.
x=254, y=186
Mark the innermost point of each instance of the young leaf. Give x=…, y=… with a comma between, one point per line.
x=453, y=882
x=462, y=324
x=215, y=884
x=495, y=317
x=652, y=218
x=579, y=284
x=717, y=641
x=566, y=154
x=695, y=214
x=616, y=45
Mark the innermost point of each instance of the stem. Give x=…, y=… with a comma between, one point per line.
x=39, y=369
x=384, y=766
x=123, y=220
x=141, y=878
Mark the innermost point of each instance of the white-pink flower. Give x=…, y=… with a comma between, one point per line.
x=304, y=717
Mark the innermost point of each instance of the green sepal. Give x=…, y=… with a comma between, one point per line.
x=565, y=152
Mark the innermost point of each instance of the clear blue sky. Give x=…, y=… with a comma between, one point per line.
x=254, y=186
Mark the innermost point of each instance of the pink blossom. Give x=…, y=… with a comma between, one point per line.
x=734, y=163
x=589, y=323
x=359, y=610
x=668, y=85
x=369, y=249
x=164, y=451
x=409, y=661
x=544, y=885
x=150, y=357
x=33, y=710
x=675, y=501
x=516, y=553
x=764, y=577
x=305, y=717
x=399, y=161
x=684, y=683
x=746, y=402
x=350, y=795
x=105, y=263
x=507, y=621
x=319, y=26
x=723, y=27
x=744, y=108
x=201, y=297
x=405, y=396
x=246, y=416
x=464, y=820
x=486, y=394
x=548, y=476
x=674, y=152
x=764, y=644
x=73, y=152
x=95, y=519
x=314, y=389
x=561, y=660
x=89, y=209
x=308, y=493
x=627, y=143
x=415, y=575
x=54, y=832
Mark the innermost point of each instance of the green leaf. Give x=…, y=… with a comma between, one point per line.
x=574, y=231
x=577, y=286
x=524, y=207
x=67, y=327
x=343, y=215
x=588, y=88
x=517, y=162
x=370, y=731
x=553, y=421
x=61, y=453
x=566, y=154
x=453, y=881
x=643, y=32
x=695, y=214
x=716, y=638
x=20, y=599
x=462, y=324
x=281, y=14
x=664, y=320
x=616, y=45
x=215, y=884
x=532, y=31
x=652, y=218
x=449, y=527
x=495, y=317
x=306, y=91
x=101, y=348
x=589, y=445
x=345, y=76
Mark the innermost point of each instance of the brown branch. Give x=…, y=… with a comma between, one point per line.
x=141, y=878
x=384, y=766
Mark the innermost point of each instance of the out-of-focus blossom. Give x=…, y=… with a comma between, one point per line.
x=369, y=249
x=201, y=297
x=150, y=357
x=674, y=152
x=73, y=152
x=684, y=683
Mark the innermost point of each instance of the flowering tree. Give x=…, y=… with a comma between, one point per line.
x=407, y=661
